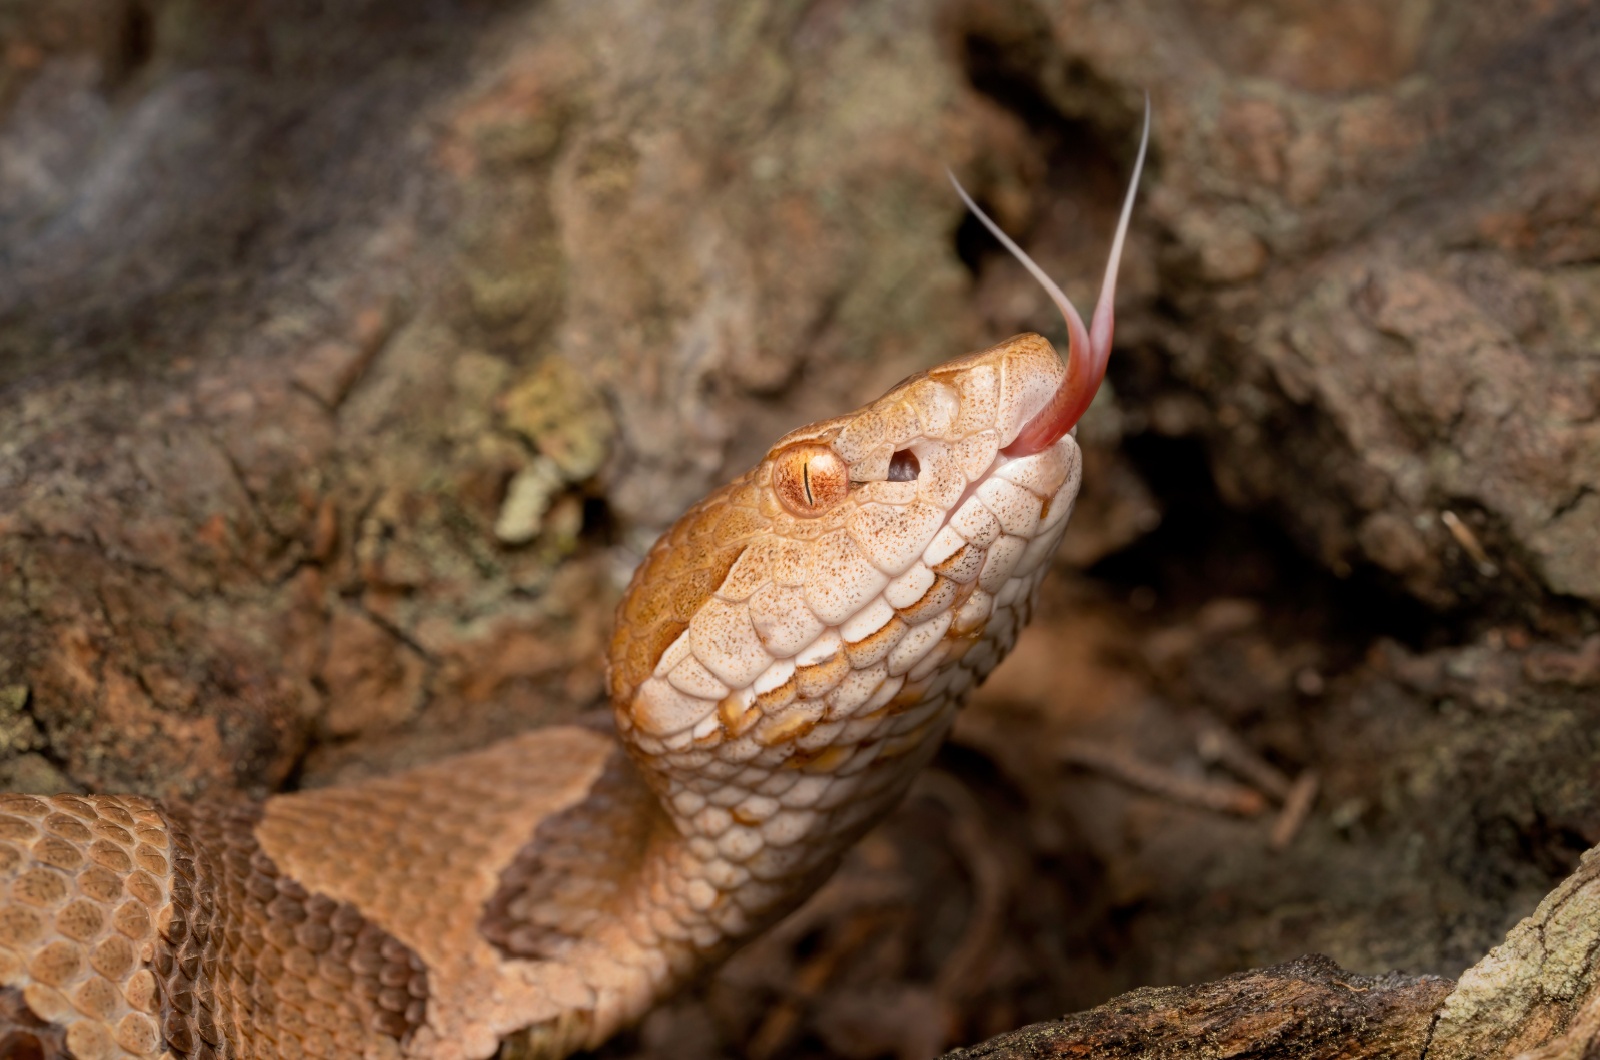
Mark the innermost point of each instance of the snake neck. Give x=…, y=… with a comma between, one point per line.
x=753, y=816
x=749, y=838
x=701, y=875
x=716, y=841
x=627, y=896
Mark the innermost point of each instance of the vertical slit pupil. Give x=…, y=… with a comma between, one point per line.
x=903, y=466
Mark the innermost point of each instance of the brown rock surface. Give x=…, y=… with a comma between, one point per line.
x=293, y=297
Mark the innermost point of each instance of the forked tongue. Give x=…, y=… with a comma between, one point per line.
x=1087, y=350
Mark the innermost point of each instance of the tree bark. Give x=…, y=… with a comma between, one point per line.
x=1309, y=1009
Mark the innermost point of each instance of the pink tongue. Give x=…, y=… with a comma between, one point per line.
x=1087, y=350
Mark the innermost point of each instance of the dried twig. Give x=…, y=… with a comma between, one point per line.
x=1217, y=743
x=1296, y=808
x=1218, y=795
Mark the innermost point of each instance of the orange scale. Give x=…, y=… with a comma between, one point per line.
x=19, y=926
x=97, y=998
x=136, y=1033
x=14, y=828
x=58, y=853
x=114, y=832
x=80, y=806
x=150, y=860
x=57, y=964
x=81, y=920
x=91, y=1041
x=40, y=887
x=106, y=853
x=23, y=805
x=69, y=826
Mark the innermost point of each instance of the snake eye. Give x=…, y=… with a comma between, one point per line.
x=809, y=479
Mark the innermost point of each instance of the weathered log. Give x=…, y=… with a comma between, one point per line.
x=1308, y=1009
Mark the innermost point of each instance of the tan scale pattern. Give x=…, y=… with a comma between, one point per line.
x=574, y=871
x=420, y=854
x=85, y=886
x=256, y=965
x=780, y=671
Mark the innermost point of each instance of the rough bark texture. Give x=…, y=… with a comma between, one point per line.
x=1535, y=996
x=1308, y=1008
x=351, y=353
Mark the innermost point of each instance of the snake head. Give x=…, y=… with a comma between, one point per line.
x=851, y=587
x=794, y=648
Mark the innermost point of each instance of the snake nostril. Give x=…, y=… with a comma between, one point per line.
x=903, y=466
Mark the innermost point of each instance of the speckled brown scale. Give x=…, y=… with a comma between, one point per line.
x=680, y=572
x=78, y=922
x=574, y=867
x=248, y=946
x=133, y=931
x=420, y=856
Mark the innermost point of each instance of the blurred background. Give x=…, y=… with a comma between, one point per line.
x=352, y=352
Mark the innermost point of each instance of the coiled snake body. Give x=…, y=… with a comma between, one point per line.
x=787, y=657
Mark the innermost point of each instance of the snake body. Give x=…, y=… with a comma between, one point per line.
x=786, y=659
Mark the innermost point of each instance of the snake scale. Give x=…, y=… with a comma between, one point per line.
x=785, y=660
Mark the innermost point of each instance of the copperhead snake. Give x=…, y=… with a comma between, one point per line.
x=787, y=657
